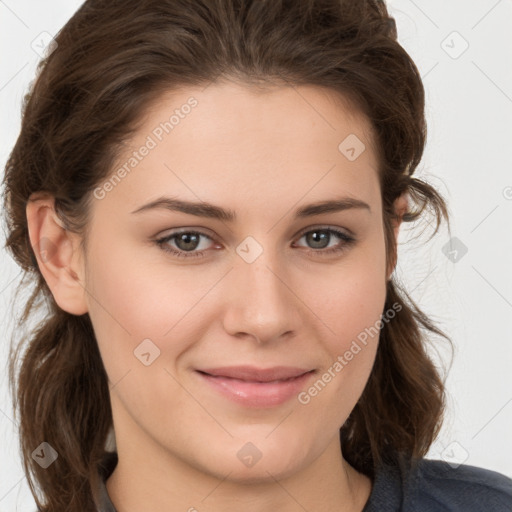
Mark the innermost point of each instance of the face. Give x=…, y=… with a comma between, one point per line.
x=177, y=296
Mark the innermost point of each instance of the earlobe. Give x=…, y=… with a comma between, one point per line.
x=56, y=251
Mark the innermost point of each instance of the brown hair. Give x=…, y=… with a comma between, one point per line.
x=112, y=59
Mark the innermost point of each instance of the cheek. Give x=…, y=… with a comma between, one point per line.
x=350, y=306
x=130, y=302
x=352, y=298
x=354, y=306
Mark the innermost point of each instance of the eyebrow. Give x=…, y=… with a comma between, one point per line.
x=212, y=211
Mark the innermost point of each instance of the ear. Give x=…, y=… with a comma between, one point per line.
x=401, y=206
x=57, y=252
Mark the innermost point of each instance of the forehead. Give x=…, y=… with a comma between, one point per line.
x=231, y=143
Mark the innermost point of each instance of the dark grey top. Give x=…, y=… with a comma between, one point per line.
x=421, y=485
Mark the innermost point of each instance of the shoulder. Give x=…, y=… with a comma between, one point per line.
x=425, y=485
x=438, y=485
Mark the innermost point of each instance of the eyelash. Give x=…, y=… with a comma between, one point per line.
x=348, y=241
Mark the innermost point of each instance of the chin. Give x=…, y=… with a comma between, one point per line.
x=260, y=473
x=259, y=461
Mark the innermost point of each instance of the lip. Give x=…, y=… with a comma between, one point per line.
x=257, y=387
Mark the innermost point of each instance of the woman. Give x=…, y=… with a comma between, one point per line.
x=208, y=195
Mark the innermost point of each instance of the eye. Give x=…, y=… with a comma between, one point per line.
x=186, y=243
x=322, y=236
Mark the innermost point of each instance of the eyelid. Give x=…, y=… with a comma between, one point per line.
x=186, y=229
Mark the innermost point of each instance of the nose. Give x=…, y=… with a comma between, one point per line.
x=262, y=304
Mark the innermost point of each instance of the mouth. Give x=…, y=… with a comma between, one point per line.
x=256, y=387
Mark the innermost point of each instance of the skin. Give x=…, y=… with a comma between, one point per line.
x=261, y=154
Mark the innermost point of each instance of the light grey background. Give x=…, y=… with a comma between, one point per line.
x=468, y=157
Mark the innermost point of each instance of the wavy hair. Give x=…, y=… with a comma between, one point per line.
x=112, y=59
